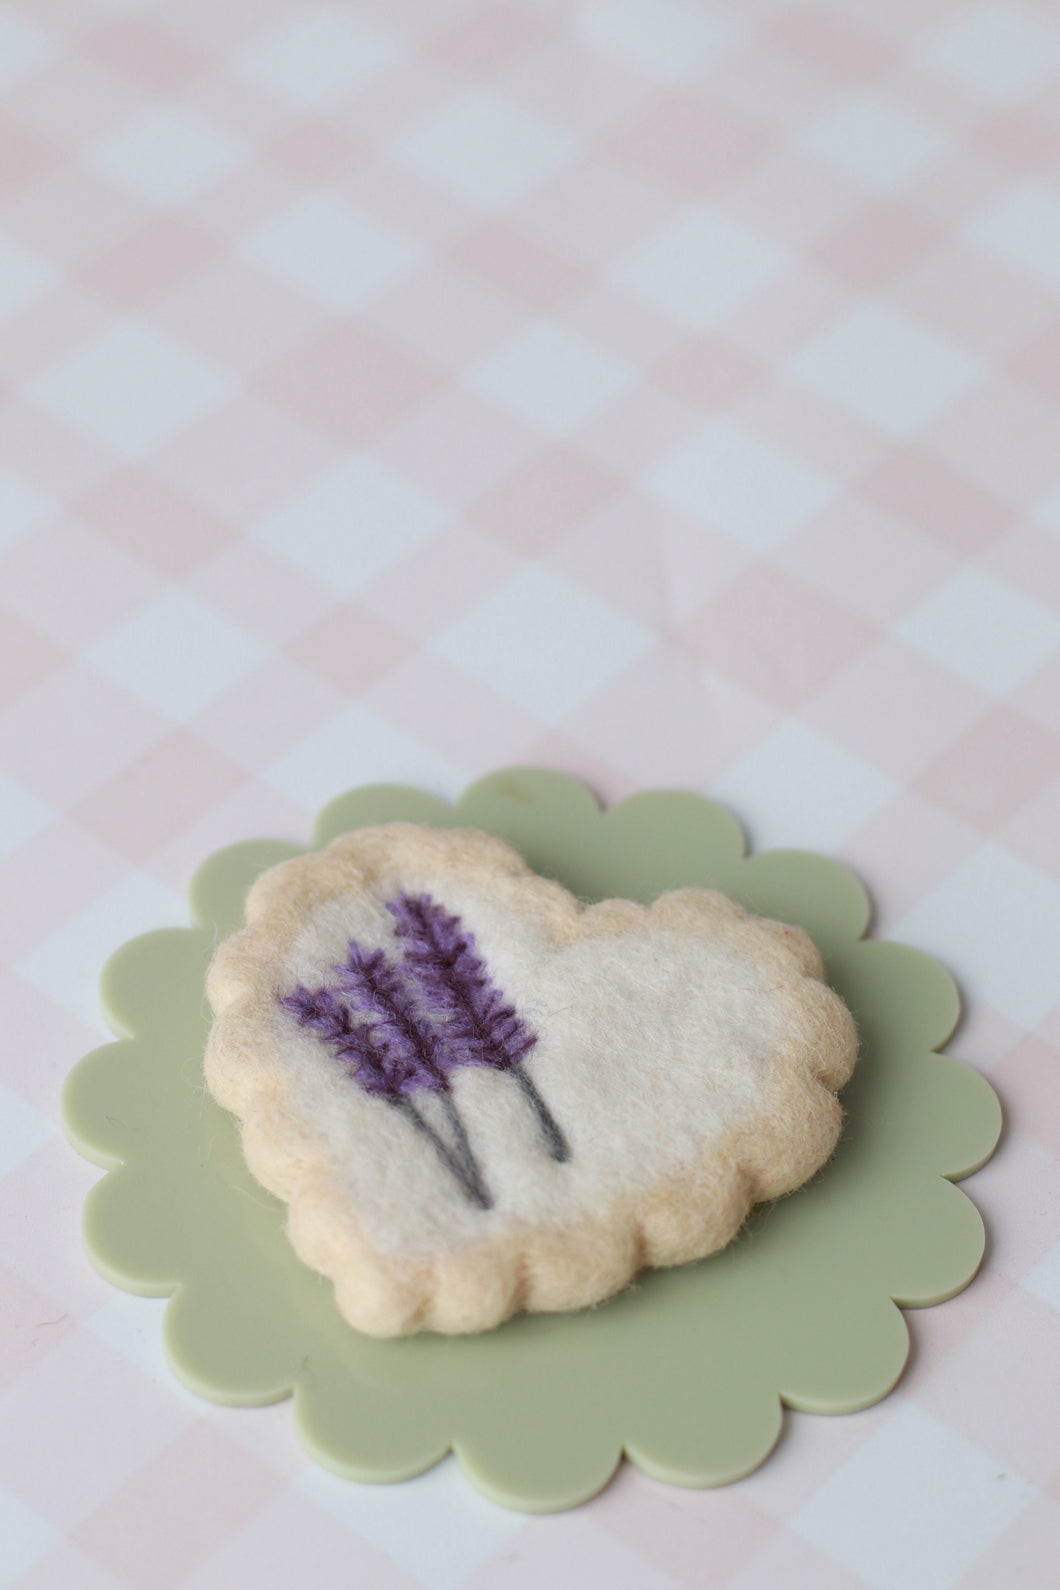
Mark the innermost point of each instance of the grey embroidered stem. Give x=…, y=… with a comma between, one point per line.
x=463, y=1144
x=479, y=1027
x=439, y=1010
x=558, y=1146
x=376, y=989
x=390, y=1057
x=469, y=1181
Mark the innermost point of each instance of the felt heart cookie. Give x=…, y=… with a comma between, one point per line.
x=477, y=1095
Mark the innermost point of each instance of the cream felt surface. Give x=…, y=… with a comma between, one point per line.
x=688, y=1051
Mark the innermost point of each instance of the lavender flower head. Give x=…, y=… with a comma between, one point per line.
x=406, y=1028
x=480, y=1027
x=380, y=1070
x=375, y=989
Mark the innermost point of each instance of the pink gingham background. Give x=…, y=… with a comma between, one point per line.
x=663, y=391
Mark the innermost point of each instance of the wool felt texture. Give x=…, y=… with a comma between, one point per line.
x=477, y=1095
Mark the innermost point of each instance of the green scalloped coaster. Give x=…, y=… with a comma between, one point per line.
x=687, y=1371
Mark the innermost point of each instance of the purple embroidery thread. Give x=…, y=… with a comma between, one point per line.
x=420, y=1021
x=478, y=1026
x=376, y=1068
x=376, y=989
x=390, y=1057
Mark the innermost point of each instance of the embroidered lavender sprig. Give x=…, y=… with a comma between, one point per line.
x=379, y=1071
x=479, y=1026
x=377, y=990
x=373, y=988
x=385, y=1059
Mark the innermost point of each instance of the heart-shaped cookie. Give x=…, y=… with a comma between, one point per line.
x=477, y=1095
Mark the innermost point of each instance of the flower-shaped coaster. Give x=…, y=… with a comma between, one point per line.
x=687, y=1370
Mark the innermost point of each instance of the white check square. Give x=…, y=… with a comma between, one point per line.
x=333, y=253
x=551, y=378
x=132, y=389
x=484, y=149
x=700, y=269
x=177, y=654
x=914, y=1508
x=167, y=156
x=887, y=370
x=726, y=477
x=983, y=629
x=545, y=643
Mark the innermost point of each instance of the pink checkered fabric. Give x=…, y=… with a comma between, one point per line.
x=667, y=391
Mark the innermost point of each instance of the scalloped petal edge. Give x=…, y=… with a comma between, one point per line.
x=213, y=896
